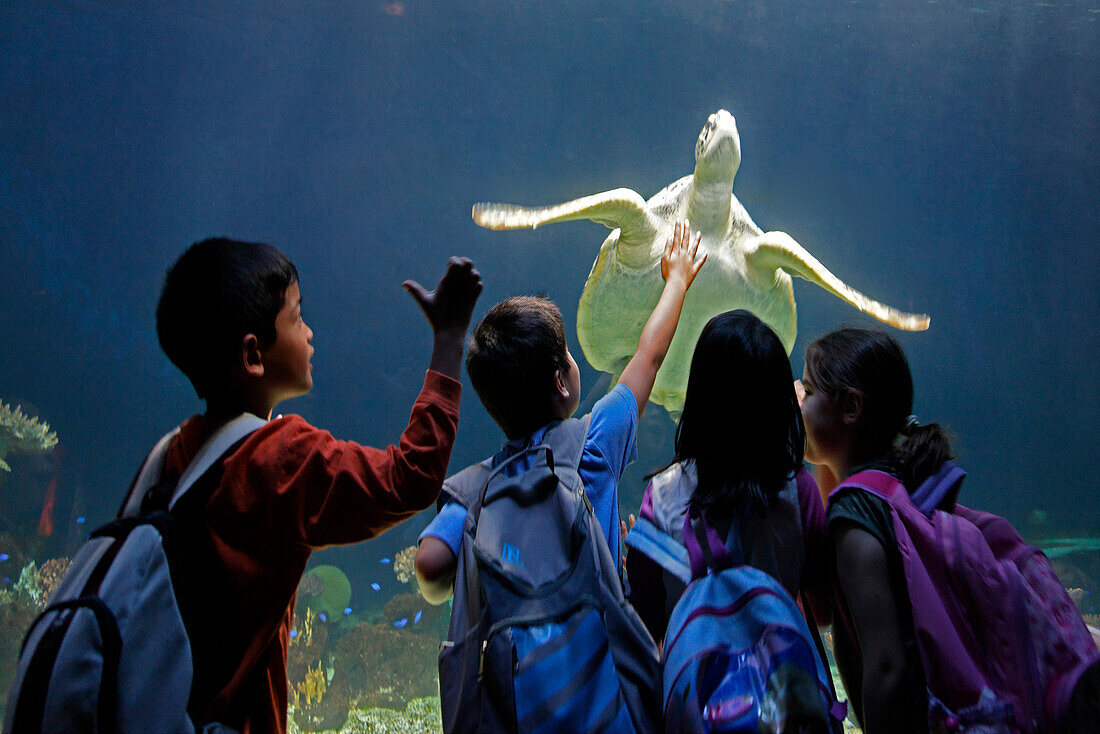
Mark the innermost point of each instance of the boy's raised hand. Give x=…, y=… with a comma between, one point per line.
x=681, y=250
x=448, y=309
x=450, y=305
x=678, y=268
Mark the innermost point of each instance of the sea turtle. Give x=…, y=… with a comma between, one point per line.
x=746, y=267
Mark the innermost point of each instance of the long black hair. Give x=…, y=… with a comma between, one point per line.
x=741, y=424
x=873, y=364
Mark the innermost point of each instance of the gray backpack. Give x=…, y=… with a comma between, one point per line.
x=542, y=638
x=111, y=651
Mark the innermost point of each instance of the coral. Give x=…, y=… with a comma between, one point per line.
x=420, y=716
x=311, y=586
x=307, y=645
x=312, y=688
x=27, y=585
x=404, y=565
x=49, y=576
x=22, y=433
x=334, y=590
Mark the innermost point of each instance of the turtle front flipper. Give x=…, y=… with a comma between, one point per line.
x=773, y=250
x=622, y=209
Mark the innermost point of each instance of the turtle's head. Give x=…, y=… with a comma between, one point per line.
x=718, y=150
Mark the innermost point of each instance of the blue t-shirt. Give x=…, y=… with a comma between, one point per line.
x=608, y=448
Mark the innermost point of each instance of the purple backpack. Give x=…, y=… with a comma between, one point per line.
x=1002, y=645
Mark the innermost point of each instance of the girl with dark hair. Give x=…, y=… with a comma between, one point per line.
x=739, y=446
x=856, y=396
x=893, y=505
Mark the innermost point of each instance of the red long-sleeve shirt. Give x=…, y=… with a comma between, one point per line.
x=287, y=489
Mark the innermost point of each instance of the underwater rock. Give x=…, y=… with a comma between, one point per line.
x=421, y=616
x=1037, y=518
x=379, y=665
x=22, y=433
x=1058, y=547
x=18, y=609
x=326, y=589
x=14, y=555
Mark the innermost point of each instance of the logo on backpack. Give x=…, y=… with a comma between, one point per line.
x=547, y=644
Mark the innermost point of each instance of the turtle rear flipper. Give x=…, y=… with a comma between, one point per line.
x=622, y=209
x=773, y=250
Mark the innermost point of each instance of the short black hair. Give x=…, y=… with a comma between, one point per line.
x=741, y=423
x=511, y=360
x=218, y=291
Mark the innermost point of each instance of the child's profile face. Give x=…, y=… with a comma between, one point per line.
x=287, y=369
x=821, y=418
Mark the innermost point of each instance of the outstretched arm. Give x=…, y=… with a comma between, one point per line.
x=448, y=309
x=678, y=267
x=435, y=570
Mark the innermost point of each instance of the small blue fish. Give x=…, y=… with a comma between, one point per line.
x=347, y=610
x=4, y=556
x=385, y=560
x=416, y=619
x=401, y=622
x=7, y=580
x=323, y=617
x=375, y=586
x=293, y=634
x=80, y=520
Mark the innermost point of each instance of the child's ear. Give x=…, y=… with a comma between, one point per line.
x=251, y=359
x=561, y=383
x=851, y=407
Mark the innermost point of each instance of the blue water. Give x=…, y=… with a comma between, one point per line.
x=942, y=157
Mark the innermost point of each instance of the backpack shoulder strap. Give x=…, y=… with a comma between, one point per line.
x=147, y=475
x=464, y=486
x=661, y=548
x=211, y=452
x=566, y=441
x=878, y=483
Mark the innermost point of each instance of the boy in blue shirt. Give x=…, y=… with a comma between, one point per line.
x=521, y=368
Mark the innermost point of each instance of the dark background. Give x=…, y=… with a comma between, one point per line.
x=939, y=157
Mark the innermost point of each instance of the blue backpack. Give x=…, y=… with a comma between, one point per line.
x=542, y=638
x=111, y=653
x=738, y=655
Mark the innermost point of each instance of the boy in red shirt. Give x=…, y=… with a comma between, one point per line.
x=230, y=318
